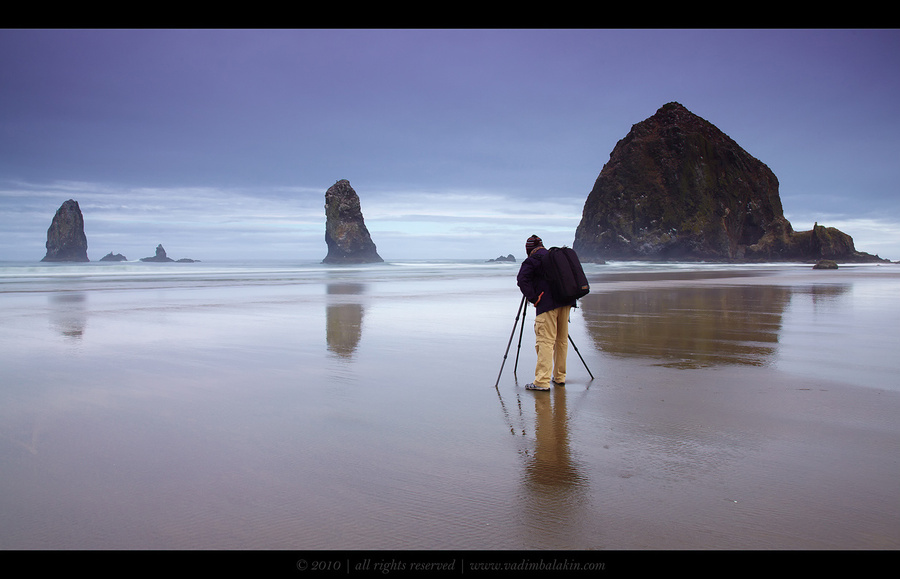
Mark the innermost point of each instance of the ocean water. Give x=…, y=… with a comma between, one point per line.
x=295, y=405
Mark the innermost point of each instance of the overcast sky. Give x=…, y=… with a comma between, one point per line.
x=460, y=143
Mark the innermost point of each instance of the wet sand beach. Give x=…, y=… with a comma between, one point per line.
x=355, y=408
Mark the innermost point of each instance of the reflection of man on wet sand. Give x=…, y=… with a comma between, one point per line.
x=552, y=461
x=555, y=490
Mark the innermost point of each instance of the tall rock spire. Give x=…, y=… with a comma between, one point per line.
x=66, y=240
x=346, y=235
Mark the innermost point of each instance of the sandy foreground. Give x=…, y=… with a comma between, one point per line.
x=727, y=412
x=789, y=441
x=738, y=459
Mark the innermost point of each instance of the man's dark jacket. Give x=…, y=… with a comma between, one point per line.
x=533, y=284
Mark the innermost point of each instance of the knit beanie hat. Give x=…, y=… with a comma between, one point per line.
x=533, y=241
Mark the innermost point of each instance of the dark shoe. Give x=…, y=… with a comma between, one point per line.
x=536, y=387
x=558, y=383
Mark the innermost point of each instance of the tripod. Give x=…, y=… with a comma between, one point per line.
x=521, y=312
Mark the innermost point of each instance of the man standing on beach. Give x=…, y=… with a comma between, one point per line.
x=551, y=321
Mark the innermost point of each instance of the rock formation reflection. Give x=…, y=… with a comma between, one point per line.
x=68, y=314
x=689, y=326
x=344, y=315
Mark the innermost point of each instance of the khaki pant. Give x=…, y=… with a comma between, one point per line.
x=551, y=332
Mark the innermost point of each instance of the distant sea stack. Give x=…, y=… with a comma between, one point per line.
x=346, y=235
x=160, y=255
x=678, y=188
x=66, y=240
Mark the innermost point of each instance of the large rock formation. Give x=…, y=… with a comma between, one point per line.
x=678, y=188
x=66, y=240
x=346, y=235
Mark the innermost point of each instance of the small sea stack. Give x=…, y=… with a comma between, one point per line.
x=160, y=255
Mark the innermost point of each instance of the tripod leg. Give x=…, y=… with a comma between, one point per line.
x=579, y=355
x=513, y=333
x=521, y=329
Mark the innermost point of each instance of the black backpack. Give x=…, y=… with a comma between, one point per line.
x=562, y=269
